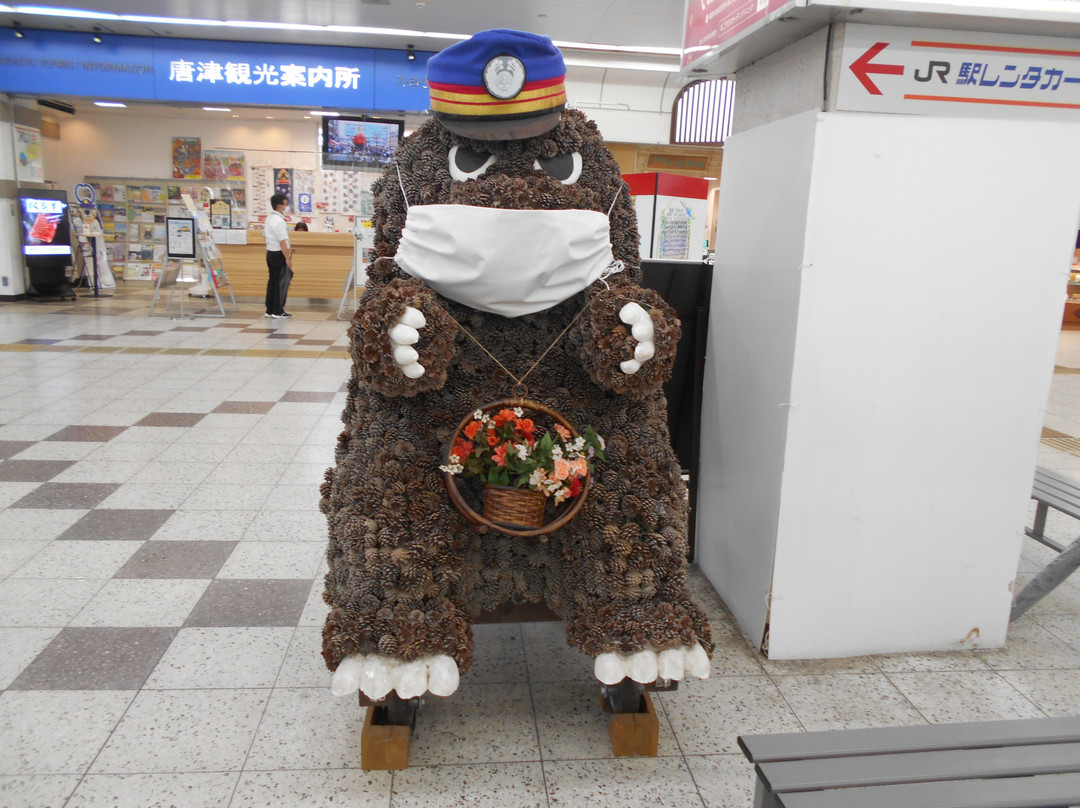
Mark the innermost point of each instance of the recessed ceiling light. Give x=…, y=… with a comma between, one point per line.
x=109, y=104
x=235, y=115
x=269, y=117
x=324, y=113
x=217, y=109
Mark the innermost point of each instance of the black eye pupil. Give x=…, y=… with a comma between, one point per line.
x=560, y=167
x=468, y=160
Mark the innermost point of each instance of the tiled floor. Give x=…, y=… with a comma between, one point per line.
x=161, y=555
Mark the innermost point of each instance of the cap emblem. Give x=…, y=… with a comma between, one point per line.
x=504, y=76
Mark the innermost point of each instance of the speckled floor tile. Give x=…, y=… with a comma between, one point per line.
x=59, y=451
x=177, y=559
x=67, y=495
x=708, y=715
x=550, y=658
x=83, y=559
x=293, y=498
x=171, y=419
x=35, y=746
x=492, y=785
x=10, y=448
x=304, y=665
x=20, y=646
x=963, y=696
x=223, y=497
x=251, y=603
x=846, y=701
x=100, y=471
x=1055, y=692
x=572, y=725
x=13, y=492
x=159, y=471
x=189, y=790
x=97, y=434
x=183, y=731
x=131, y=603
x=205, y=658
x=724, y=781
x=315, y=608
x=38, y=790
x=185, y=525
x=117, y=524
x=32, y=471
x=264, y=560
x=246, y=407
x=14, y=554
x=498, y=654
x=1063, y=626
x=135, y=495
x=1064, y=599
x=732, y=656
x=308, y=526
x=357, y=789
x=286, y=739
x=44, y=603
x=477, y=724
x=96, y=659
x=661, y=782
x=940, y=661
x=1029, y=646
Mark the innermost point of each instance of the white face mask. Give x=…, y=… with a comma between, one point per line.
x=507, y=262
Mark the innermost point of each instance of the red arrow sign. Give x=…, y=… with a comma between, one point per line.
x=862, y=67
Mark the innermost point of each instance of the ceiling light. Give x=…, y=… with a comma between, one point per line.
x=218, y=109
x=18, y=34
x=97, y=34
x=235, y=115
x=324, y=113
x=269, y=117
x=109, y=104
x=410, y=53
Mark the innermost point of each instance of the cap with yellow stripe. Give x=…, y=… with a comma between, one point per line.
x=498, y=85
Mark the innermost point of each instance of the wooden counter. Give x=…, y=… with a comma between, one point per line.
x=321, y=262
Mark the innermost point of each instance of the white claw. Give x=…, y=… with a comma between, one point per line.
x=697, y=662
x=641, y=667
x=377, y=678
x=632, y=313
x=414, y=318
x=407, y=355
x=347, y=676
x=630, y=367
x=670, y=664
x=413, y=370
x=412, y=679
x=442, y=675
x=402, y=334
x=643, y=330
x=645, y=351
x=609, y=669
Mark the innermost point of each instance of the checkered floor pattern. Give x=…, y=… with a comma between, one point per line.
x=161, y=555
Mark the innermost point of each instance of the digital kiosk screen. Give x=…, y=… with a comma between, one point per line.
x=46, y=230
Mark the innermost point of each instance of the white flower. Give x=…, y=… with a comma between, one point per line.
x=518, y=411
x=453, y=468
x=535, y=478
x=601, y=442
x=578, y=444
x=560, y=495
x=556, y=451
x=454, y=460
x=479, y=415
x=522, y=450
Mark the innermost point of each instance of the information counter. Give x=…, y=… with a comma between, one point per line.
x=321, y=263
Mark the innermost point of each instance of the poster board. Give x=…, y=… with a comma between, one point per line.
x=180, y=237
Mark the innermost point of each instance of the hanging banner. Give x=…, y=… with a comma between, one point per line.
x=186, y=158
x=283, y=183
x=28, y=155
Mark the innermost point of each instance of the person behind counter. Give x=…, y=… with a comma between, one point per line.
x=300, y=227
x=278, y=258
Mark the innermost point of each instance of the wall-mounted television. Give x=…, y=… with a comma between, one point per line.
x=362, y=142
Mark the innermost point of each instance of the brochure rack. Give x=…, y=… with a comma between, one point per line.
x=209, y=258
x=363, y=246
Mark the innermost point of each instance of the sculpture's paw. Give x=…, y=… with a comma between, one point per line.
x=377, y=675
x=647, y=666
x=403, y=335
x=641, y=327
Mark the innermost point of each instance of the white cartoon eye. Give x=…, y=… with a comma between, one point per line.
x=466, y=164
x=566, y=168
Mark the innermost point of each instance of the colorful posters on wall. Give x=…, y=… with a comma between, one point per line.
x=223, y=165
x=186, y=158
x=283, y=182
x=28, y=162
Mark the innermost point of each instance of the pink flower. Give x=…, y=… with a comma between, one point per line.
x=562, y=469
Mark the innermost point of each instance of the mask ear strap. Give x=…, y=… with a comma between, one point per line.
x=613, y=201
x=405, y=196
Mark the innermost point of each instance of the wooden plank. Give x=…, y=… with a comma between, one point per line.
x=1044, y=791
x=879, y=740
x=383, y=746
x=635, y=733
x=919, y=767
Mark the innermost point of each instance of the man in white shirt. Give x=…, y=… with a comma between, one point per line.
x=278, y=258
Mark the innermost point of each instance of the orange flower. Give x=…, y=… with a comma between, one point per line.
x=562, y=469
x=564, y=433
x=492, y=437
x=462, y=448
x=472, y=429
x=525, y=428
x=500, y=454
x=579, y=467
x=504, y=416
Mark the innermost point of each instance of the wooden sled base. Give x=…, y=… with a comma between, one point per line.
x=384, y=741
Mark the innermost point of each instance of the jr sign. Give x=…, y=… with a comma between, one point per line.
x=932, y=72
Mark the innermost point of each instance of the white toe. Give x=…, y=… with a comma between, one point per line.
x=402, y=334
x=696, y=662
x=643, y=330
x=377, y=677
x=347, y=676
x=442, y=675
x=610, y=669
x=630, y=367
x=641, y=667
x=414, y=370
x=632, y=313
x=412, y=679
x=414, y=318
x=406, y=354
x=670, y=664
x=645, y=351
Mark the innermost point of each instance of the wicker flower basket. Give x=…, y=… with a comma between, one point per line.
x=504, y=509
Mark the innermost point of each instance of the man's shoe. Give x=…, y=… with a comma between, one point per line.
x=268, y=315
x=285, y=314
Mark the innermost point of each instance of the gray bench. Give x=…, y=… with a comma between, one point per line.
x=1050, y=490
x=1029, y=763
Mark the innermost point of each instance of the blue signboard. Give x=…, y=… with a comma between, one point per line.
x=213, y=72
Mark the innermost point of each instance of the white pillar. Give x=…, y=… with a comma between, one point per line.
x=12, y=277
x=885, y=310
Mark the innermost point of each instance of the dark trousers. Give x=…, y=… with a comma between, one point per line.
x=278, y=284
